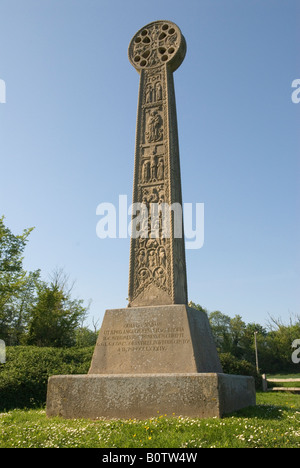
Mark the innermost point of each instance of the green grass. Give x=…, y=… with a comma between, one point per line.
x=284, y=376
x=274, y=422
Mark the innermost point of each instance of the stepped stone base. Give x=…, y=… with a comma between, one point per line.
x=149, y=361
x=143, y=396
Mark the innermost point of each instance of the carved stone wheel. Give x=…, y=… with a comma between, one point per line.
x=155, y=44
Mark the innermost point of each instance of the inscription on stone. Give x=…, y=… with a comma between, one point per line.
x=148, y=336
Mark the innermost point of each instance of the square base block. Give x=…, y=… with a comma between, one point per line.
x=143, y=396
x=155, y=340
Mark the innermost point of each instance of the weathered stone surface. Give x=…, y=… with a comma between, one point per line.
x=157, y=273
x=158, y=354
x=158, y=339
x=147, y=395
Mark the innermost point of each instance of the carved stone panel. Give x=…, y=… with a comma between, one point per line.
x=155, y=51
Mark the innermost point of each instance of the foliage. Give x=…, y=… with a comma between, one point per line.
x=31, y=310
x=274, y=345
x=16, y=285
x=24, y=376
x=55, y=316
x=274, y=422
x=85, y=337
x=233, y=365
x=277, y=346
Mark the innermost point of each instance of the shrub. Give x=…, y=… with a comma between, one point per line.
x=232, y=365
x=24, y=376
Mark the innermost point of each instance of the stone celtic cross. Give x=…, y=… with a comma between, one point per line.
x=158, y=352
x=157, y=257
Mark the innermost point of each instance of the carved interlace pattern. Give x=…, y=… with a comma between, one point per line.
x=155, y=44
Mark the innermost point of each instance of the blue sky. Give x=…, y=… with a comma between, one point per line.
x=67, y=135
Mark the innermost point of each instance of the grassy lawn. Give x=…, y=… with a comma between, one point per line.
x=284, y=376
x=274, y=422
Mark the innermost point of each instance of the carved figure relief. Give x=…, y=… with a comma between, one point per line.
x=149, y=92
x=152, y=169
x=152, y=259
x=153, y=166
x=152, y=264
x=153, y=194
x=153, y=93
x=142, y=257
x=146, y=172
x=154, y=130
x=143, y=275
x=158, y=92
x=160, y=170
x=162, y=256
x=160, y=276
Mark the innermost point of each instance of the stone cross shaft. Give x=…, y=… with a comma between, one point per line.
x=157, y=273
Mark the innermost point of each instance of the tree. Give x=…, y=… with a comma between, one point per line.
x=247, y=342
x=197, y=307
x=237, y=331
x=279, y=344
x=33, y=311
x=235, y=341
x=12, y=275
x=16, y=285
x=85, y=336
x=55, y=316
x=220, y=326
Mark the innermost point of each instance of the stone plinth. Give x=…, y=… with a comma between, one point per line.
x=157, y=339
x=144, y=396
x=150, y=359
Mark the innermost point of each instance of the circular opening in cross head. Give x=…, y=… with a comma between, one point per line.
x=156, y=44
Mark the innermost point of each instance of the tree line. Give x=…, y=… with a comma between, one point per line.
x=236, y=338
x=33, y=311
x=40, y=313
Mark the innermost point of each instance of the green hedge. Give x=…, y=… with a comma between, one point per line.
x=232, y=365
x=24, y=376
